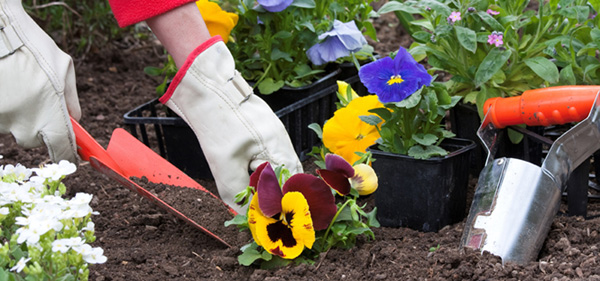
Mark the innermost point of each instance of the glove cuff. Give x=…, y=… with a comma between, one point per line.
x=188, y=62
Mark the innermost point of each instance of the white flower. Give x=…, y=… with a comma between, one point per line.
x=20, y=264
x=19, y=172
x=89, y=227
x=60, y=245
x=31, y=235
x=4, y=210
x=63, y=245
x=92, y=255
x=56, y=171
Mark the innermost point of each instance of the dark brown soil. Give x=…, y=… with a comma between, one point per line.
x=143, y=242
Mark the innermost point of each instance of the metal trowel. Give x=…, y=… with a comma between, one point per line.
x=515, y=201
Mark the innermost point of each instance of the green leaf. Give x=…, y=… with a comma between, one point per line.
x=421, y=36
x=308, y=4
x=544, y=68
x=372, y=218
x=282, y=35
x=514, y=136
x=384, y=113
x=418, y=152
x=424, y=139
x=590, y=68
x=393, y=6
x=278, y=54
x=249, y=256
x=493, y=62
x=268, y=86
x=372, y=120
x=467, y=38
x=491, y=21
x=567, y=77
x=412, y=101
x=317, y=129
x=237, y=220
x=153, y=71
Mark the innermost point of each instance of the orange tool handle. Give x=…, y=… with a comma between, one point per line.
x=88, y=147
x=542, y=107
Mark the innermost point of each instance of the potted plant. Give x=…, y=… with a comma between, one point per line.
x=422, y=170
x=500, y=48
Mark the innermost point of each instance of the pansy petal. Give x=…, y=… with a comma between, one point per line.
x=254, y=215
x=364, y=180
x=335, y=180
x=318, y=195
x=338, y=164
x=288, y=236
x=268, y=192
x=274, y=6
x=256, y=175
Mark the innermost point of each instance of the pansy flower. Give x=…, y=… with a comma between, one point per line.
x=364, y=180
x=284, y=220
x=217, y=21
x=336, y=173
x=393, y=80
x=275, y=6
x=342, y=39
x=345, y=134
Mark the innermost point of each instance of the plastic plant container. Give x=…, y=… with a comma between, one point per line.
x=424, y=195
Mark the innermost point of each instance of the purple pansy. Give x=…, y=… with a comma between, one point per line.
x=275, y=6
x=342, y=39
x=393, y=80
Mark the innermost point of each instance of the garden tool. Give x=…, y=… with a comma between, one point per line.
x=126, y=157
x=515, y=201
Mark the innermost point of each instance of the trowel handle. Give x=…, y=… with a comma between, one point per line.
x=542, y=107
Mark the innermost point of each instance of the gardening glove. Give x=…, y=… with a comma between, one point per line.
x=37, y=85
x=236, y=129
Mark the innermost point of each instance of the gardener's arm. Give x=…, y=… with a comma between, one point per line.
x=236, y=130
x=177, y=24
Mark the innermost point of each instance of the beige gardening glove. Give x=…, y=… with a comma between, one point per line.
x=236, y=129
x=37, y=85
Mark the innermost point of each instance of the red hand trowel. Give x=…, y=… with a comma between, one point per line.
x=126, y=157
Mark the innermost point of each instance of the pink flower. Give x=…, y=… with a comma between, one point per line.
x=495, y=39
x=454, y=17
x=492, y=12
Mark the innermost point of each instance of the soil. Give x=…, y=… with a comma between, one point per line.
x=143, y=242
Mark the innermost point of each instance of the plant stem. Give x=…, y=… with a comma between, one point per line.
x=332, y=221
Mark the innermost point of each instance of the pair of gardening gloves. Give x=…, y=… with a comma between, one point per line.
x=236, y=129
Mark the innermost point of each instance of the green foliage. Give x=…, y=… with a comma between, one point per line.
x=413, y=126
x=553, y=45
x=272, y=52
x=76, y=25
x=168, y=71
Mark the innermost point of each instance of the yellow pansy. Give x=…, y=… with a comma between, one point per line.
x=364, y=179
x=343, y=91
x=344, y=134
x=219, y=22
x=290, y=233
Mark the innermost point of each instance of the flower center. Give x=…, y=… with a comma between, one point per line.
x=395, y=79
x=359, y=137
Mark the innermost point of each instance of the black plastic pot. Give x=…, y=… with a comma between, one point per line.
x=425, y=195
x=464, y=123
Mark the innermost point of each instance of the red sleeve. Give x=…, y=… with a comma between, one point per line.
x=128, y=12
